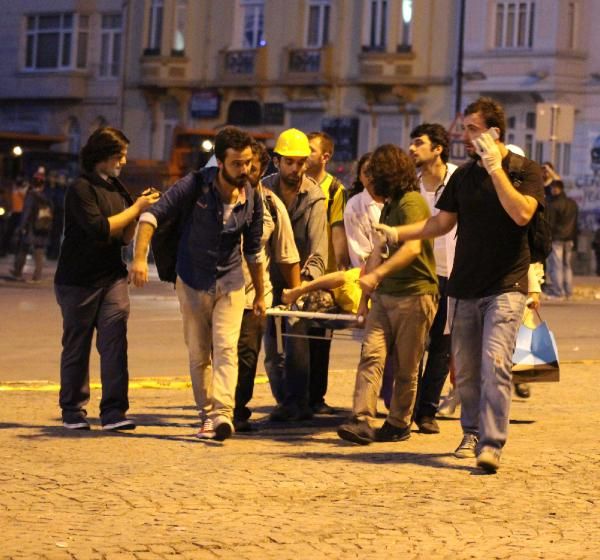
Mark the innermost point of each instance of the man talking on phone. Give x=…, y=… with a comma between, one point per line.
x=487, y=288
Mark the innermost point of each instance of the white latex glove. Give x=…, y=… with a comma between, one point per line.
x=390, y=233
x=489, y=152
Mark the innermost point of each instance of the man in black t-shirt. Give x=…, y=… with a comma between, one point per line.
x=488, y=284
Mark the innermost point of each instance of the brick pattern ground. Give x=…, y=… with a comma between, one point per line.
x=298, y=492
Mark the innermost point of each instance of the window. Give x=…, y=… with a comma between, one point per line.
x=179, y=33
x=56, y=41
x=405, y=39
x=318, y=23
x=155, y=27
x=514, y=24
x=110, y=46
x=377, y=25
x=253, y=24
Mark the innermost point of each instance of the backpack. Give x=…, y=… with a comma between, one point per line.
x=43, y=217
x=539, y=232
x=165, y=240
x=333, y=188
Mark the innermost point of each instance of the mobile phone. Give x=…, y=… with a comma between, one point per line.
x=493, y=132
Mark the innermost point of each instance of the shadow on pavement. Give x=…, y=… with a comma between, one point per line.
x=432, y=460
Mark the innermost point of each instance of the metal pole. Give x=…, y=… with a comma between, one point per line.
x=555, y=109
x=459, y=61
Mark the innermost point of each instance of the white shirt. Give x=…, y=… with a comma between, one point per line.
x=359, y=216
x=445, y=245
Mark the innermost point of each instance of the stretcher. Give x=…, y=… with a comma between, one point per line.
x=345, y=326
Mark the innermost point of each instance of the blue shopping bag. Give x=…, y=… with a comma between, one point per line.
x=535, y=358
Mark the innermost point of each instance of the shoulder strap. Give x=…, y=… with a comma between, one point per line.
x=515, y=169
x=270, y=203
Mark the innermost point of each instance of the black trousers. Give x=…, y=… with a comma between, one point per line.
x=248, y=349
x=85, y=310
x=431, y=382
x=319, y=367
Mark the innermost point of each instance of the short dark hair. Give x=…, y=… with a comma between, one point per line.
x=104, y=143
x=231, y=137
x=260, y=150
x=326, y=141
x=491, y=112
x=437, y=135
x=393, y=172
x=357, y=185
x=558, y=184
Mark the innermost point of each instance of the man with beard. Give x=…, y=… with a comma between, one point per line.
x=215, y=208
x=429, y=149
x=488, y=283
x=289, y=373
x=403, y=292
x=277, y=244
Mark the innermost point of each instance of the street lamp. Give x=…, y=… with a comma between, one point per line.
x=17, y=151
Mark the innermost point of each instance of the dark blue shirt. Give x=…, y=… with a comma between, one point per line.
x=209, y=250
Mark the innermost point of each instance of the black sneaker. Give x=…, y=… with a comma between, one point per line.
x=244, y=426
x=117, y=423
x=357, y=431
x=387, y=432
x=76, y=422
x=323, y=408
x=428, y=425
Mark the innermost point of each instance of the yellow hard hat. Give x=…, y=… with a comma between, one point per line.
x=292, y=143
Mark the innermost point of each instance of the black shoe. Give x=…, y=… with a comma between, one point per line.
x=428, y=425
x=290, y=413
x=522, y=390
x=243, y=426
x=357, y=431
x=387, y=432
x=323, y=408
x=116, y=422
x=76, y=421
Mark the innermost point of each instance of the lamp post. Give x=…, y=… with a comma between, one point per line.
x=459, y=60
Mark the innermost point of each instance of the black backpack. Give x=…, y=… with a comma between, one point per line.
x=165, y=240
x=538, y=232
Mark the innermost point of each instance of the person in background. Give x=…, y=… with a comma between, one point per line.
x=91, y=282
x=34, y=228
x=17, y=201
x=430, y=149
x=562, y=216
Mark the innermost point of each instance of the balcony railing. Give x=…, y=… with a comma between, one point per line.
x=304, y=60
x=240, y=62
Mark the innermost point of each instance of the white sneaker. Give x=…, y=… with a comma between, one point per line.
x=449, y=404
x=206, y=430
x=488, y=459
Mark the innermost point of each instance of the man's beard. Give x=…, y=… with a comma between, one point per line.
x=238, y=181
x=292, y=181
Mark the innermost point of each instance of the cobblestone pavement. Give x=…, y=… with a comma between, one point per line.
x=298, y=492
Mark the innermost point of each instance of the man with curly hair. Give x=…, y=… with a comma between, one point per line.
x=402, y=285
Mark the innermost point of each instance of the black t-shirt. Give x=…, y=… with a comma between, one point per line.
x=492, y=251
x=89, y=256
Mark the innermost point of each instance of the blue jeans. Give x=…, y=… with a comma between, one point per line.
x=559, y=268
x=484, y=331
